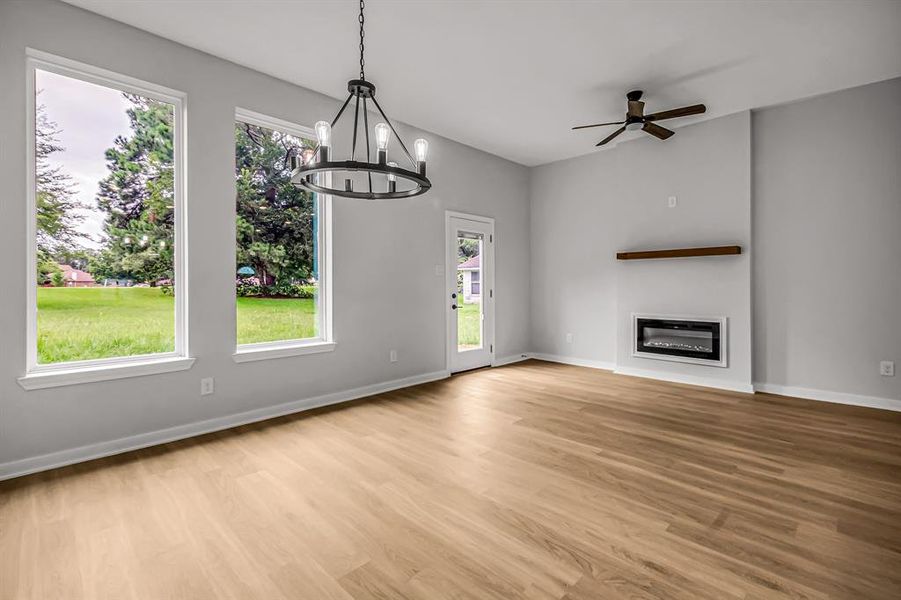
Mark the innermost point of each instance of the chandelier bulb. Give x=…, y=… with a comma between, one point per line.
x=382, y=135
x=421, y=149
x=324, y=133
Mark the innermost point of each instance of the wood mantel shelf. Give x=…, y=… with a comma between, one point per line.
x=679, y=252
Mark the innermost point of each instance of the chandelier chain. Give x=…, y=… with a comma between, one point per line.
x=362, y=35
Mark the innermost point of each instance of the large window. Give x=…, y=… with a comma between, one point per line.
x=280, y=274
x=105, y=234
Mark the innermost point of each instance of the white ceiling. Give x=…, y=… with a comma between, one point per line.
x=512, y=77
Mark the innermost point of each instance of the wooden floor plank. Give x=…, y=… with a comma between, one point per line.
x=535, y=481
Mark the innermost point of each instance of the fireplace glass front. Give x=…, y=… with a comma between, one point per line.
x=689, y=339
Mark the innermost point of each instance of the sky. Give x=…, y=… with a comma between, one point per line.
x=89, y=117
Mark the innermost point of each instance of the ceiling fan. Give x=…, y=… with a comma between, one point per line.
x=636, y=119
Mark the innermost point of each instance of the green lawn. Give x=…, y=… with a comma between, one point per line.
x=468, y=325
x=91, y=323
x=273, y=319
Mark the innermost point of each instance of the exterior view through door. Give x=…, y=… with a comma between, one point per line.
x=470, y=291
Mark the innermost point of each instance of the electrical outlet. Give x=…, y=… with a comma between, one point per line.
x=887, y=368
x=206, y=386
x=671, y=202
x=569, y=338
x=392, y=356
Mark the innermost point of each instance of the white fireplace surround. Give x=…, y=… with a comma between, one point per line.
x=724, y=340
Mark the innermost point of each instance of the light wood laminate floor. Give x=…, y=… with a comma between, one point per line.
x=532, y=481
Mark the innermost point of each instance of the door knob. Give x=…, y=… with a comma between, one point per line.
x=453, y=306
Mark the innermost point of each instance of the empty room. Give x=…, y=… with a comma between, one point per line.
x=450, y=299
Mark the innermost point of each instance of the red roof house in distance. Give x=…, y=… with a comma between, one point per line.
x=76, y=277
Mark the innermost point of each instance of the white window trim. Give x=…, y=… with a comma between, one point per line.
x=67, y=373
x=325, y=342
x=268, y=350
x=150, y=365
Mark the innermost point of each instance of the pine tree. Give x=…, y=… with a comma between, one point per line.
x=138, y=197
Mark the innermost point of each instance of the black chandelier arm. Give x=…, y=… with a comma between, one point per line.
x=394, y=131
x=341, y=112
x=353, y=149
x=366, y=129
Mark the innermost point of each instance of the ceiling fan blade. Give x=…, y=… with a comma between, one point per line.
x=611, y=136
x=598, y=125
x=685, y=111
x=657, y=131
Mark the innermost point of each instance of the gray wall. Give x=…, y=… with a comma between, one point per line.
x=374, y=243
x=585, y=210
x=821, y=273
x=574, y=237
x=827, y=233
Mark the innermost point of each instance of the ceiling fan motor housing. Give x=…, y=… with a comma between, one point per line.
x=634, y=111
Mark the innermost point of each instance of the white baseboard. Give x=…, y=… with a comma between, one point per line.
x=711, y=382
x=62, y=458
x=578, y=362
x=827, y=396
x=509, y=360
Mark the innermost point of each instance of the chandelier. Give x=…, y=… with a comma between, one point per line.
x=308, y=167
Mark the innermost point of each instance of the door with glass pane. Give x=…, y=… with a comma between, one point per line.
x=470, y=293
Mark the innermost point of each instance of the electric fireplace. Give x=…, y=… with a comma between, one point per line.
x=682, y=339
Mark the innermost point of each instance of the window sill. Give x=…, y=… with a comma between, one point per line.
x=269, y=350
x=51, y=377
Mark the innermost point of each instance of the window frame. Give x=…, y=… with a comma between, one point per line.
x=39, y=375
x=325, y=342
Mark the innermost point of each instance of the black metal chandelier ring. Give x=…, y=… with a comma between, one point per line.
x=318, y=161
x=309, y=173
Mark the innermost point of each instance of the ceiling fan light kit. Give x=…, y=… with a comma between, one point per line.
x=307, y=168
x=636, y=119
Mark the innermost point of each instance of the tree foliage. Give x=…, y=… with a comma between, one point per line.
x=275, y=232
x=466, y=249
x=57, y=207
x=275, y=219
x=138, y=197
